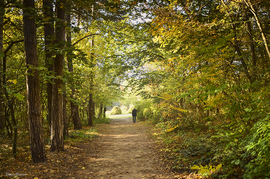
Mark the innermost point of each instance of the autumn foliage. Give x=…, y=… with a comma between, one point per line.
x=209, y=74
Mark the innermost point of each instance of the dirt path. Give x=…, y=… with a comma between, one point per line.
x=124, y=152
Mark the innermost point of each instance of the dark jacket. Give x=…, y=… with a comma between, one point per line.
x=134, y=112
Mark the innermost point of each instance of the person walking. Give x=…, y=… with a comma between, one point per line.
x=134, y=114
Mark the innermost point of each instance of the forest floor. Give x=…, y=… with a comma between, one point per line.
x=122, y=150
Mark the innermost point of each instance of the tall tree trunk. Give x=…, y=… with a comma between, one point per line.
x=253, y=11
x=239, y=52
x=2, y=112
x=8, y=125
x=13, y=120
x=91, y=101
x=104, y=112
x=90, y=110
x=57, y=137
x=32, y=83
x=74, y=107
x=65, y=115
x=15, y=136
x=49, y=40
x=100, y=111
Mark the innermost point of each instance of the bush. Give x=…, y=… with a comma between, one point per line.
x=116, y=110
x=141, y=106
x=156, y=116
x=258, y=151
x=124, y=109
x=131, y=107
x=147, y=113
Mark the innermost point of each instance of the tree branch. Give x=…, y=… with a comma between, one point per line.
x=10, y=45
x=252, y=10
x=83, y=38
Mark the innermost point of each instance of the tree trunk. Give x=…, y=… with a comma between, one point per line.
x=253, y=11
x=13, y=120
x=100, y=111
x=91, y=102
x=15, y=136
x=65, y=115
x=74, y=107
x=104, y=112
x=90, y=110
x=8, y=125
x=49, y=42
x=239, y=52
x=57, y=139
x=2, y=112
x=32, y=83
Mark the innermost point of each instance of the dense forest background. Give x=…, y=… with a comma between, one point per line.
x=200, y=71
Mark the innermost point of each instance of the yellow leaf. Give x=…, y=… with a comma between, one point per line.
x=179, y=109
x=13, y=81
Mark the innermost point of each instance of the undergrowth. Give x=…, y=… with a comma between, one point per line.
x=187, y=151
x=102, y=121
x=81, y=135
x=23, y=150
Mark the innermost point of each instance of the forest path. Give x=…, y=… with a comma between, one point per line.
x=122, y=151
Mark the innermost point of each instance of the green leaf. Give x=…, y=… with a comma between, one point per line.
x=248, y=109
x=19, y=96
x=237, y=162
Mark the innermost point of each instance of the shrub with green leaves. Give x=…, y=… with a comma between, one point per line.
x=147, y=113
x=141, y=106
x=116, y=110
x=258, y=150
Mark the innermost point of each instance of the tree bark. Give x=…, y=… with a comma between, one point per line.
x=104, y=112
x=91, y=101
x=49, y=41
x=74, y=107
x=253, y=11
x=100, y=111
x=14, y=122
x=57, y=137
x=65, y=119
x=239, y=52
x=2, y=112
x=32, y=83
x=90, y=110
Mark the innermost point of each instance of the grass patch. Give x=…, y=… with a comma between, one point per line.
x=102, y=121
x=81, y=135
